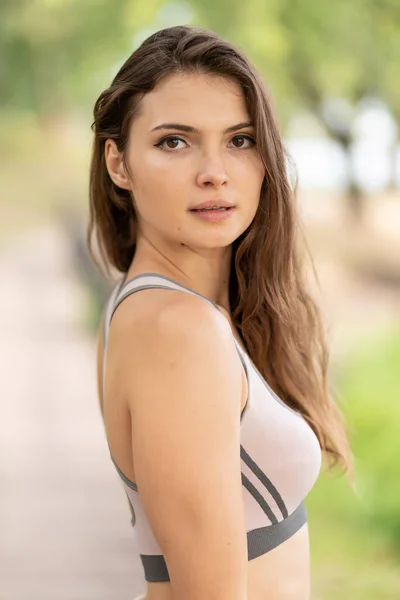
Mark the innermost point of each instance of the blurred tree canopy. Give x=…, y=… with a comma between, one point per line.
x=54, y=52
x=309, y=49
x=323, y=57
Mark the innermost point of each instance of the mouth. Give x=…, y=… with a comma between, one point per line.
x=220, y=208
x=214, y=204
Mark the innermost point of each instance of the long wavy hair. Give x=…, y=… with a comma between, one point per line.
x=276, y=316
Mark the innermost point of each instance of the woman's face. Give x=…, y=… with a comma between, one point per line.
x=180, y=154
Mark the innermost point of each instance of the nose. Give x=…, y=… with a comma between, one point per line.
x=212, y=172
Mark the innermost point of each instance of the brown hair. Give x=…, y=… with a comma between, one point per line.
x=276, y=317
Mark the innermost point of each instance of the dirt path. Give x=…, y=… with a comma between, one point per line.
x=64, y=521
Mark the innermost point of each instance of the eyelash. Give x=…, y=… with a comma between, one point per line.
x=175, y=137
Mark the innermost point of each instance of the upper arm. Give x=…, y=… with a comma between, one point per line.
x=184, y=396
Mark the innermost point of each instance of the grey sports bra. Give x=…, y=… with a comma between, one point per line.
x=280, y=455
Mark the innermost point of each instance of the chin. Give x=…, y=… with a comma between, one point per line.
x=212, y=240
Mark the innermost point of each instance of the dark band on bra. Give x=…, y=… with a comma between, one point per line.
x=259, y=541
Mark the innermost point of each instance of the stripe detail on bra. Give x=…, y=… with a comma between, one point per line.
x=129, y=483
x=265, y=481
x=259, y=498
x=133, y=514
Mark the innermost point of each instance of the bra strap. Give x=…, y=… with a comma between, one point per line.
x=146, y=281
x=152, y=281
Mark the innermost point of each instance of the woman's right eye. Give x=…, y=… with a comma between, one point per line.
x=168, y=139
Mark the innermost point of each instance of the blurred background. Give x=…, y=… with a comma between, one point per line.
x=333, y=70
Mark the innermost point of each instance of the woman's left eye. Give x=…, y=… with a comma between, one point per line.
x=244, y=137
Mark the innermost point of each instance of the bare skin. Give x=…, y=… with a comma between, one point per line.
x=165, y=183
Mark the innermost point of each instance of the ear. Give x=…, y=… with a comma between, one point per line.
x=115, y=165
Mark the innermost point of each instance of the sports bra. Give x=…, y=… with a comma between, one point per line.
x=280, y=454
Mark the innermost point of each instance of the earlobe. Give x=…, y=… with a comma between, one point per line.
x=115, y=165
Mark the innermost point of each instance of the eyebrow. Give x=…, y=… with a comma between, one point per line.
x=189, y=129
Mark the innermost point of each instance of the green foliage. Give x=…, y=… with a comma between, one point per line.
x=350, y=531
x=54, y=52
x=372, y=384
x=342, y=48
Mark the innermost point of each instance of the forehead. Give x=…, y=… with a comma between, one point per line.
x=200, y=100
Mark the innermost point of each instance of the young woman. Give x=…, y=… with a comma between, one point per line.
x=211, y=358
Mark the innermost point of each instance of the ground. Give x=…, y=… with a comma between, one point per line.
x=64, y=520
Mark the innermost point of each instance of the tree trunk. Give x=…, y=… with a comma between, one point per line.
x=354, y=195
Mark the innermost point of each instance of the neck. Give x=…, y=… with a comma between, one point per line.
x=206, y=272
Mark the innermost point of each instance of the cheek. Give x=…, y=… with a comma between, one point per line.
x=249, y=176
x=154, y=167
x=155, y=178
x=157, y=189
x=249, y=166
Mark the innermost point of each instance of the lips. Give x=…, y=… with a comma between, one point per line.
x=210, y=209
x=213, y=205
x=214, y=215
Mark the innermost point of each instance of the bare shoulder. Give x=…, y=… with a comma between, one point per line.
x=191, y=317
x=171, y=338
x=169, y=318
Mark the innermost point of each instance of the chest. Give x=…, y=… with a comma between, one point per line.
x=278, y=445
